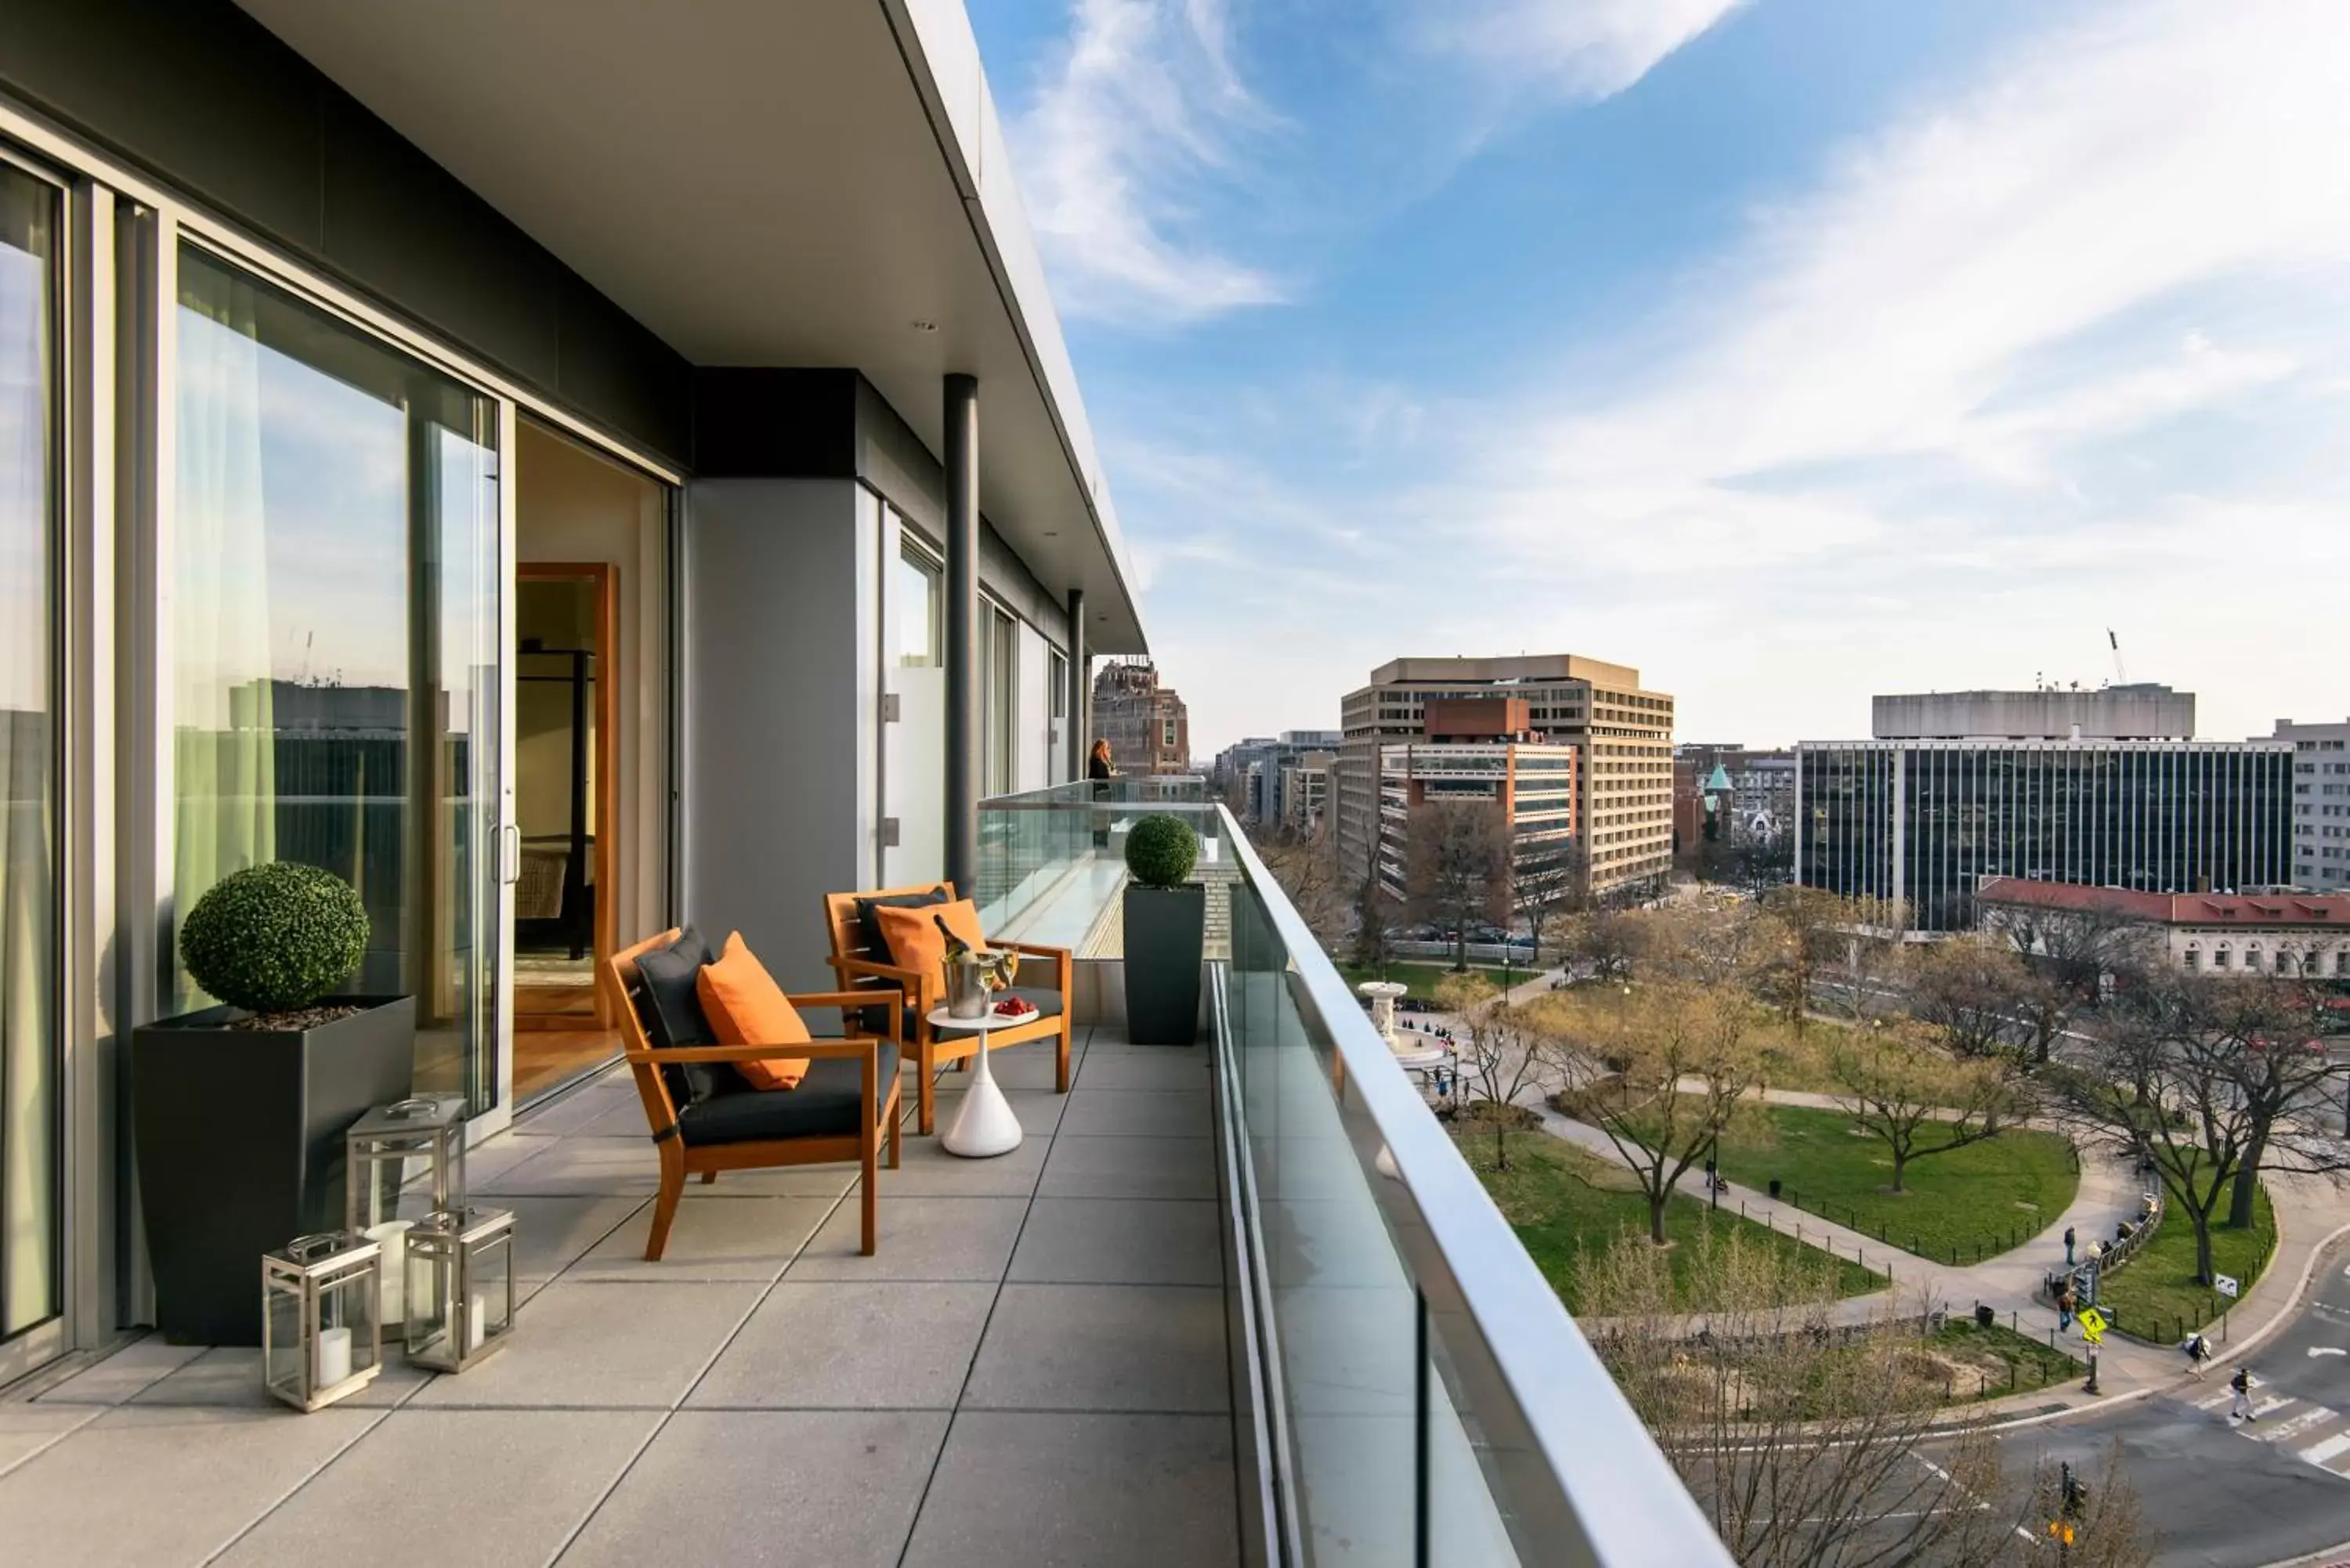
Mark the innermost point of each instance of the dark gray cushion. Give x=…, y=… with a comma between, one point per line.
x=828, y=1103
x=873, y=946
x=672, y=1016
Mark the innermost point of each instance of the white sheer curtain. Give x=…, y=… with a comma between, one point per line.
x=28, y=1053
x=226, y=784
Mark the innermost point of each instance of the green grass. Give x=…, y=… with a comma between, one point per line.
x=1563, y=1201
x=1421, y=978
x=1979, y=1200
x=2155, y=1295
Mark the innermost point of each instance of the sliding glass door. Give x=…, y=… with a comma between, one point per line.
x=32, y=1287
x=336, y=641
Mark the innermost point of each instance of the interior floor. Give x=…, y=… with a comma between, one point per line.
x=546, y=1059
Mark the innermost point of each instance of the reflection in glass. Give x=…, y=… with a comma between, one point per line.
x=332, y=497
x=29, y=1055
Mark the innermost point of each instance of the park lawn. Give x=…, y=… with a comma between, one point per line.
x=1980, y=1199
x=1563, y=1201
x=1421, y=978
x=2155, y=1297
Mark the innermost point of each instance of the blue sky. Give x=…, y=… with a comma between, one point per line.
x=1791, y=351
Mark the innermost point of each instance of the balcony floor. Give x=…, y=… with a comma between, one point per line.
x=1032, y=1371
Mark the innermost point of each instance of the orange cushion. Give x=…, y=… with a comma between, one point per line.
x=915, y=941
x=746, y=1007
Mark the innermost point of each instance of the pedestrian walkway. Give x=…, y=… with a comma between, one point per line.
x=2308, y=1211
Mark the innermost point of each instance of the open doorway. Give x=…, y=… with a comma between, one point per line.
x=590, y=711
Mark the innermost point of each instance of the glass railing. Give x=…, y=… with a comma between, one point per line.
x=1422, y=1396
x=1051, y=860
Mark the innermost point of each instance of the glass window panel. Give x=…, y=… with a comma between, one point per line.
x=922, y=596
x=30, y=1282
x=336, y=602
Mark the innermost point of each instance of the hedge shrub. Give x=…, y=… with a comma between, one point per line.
x=274, y=938
x=1161, y=850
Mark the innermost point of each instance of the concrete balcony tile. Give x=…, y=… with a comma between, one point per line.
x=1129, y=1168
x=920, y=1239
x=160, y=1488
x=786, y=1489
x=1147, y=1113
x=610, y=1345
x=1120, y=1242
x=1103, y=1348
x=460, y=1488
x=738, y=1238
x=1027, y=1491
x=842, y=1346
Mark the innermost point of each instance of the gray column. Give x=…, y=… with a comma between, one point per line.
x=1074, y=702
x=964, y=733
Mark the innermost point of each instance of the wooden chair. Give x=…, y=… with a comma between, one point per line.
x=840, y=1111
x=857, y=963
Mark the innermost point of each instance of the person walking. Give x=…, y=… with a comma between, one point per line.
x=2069, y=1239
x=2066, y=1302
x=2198, y=1352
x=2241, y=1410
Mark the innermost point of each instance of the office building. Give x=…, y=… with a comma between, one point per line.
x=2321, y=804
x=2082, y=793
x=1250, y=773
x=2293, y=935
x=1302, y=794
x=1483, y=748
x=1146, y=726
x=1621, y=731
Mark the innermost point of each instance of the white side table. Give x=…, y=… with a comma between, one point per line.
x=983, y=1124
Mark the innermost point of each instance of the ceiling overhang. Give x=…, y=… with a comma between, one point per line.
x=816, y=183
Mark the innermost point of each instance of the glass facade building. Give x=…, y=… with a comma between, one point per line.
x=1925, y=821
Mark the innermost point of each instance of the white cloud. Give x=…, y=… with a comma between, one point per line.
x=1581, y=49
x=2007, y=372
x=1142, y=104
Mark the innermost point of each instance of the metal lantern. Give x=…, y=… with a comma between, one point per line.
x=381, y=1143
x=321, y=1336
x=461, y=1287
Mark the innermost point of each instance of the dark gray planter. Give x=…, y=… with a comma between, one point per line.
x=239, y=1134
x=1166, y=930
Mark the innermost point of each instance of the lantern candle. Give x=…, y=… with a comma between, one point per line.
x=334, y=1356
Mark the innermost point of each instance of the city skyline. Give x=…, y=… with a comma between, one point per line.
x=1748, y=342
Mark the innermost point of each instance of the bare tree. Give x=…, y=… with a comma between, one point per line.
x=1909, y=1095
x=1456, y=868
x=1661, y=1069
x=1974, y=989
x=1307, y=869
x=1606, y=941
x=1374, y=913
x=1549, y=892
x=2208, y=1077
x=1811, y=1445
x=1503, y=1053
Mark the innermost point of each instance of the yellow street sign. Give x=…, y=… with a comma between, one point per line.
x=2092, y=1324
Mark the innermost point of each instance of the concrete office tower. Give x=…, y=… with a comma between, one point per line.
x=2145, y=712
x=1146, y=726
x=1483, y=748
x=1623, y=734
x=2321, y=804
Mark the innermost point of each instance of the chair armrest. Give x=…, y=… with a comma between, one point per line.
x=855, y=1046
x=1037, y=949
x=907, y=979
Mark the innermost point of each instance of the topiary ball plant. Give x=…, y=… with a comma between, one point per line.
x=1161, y=850
x=274, y=937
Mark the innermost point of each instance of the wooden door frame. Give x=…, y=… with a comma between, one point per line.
x=607, y=580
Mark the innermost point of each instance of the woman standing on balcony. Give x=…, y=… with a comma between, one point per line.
x=1100, y=770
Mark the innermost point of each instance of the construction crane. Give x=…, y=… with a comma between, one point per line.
x=2121, y=673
